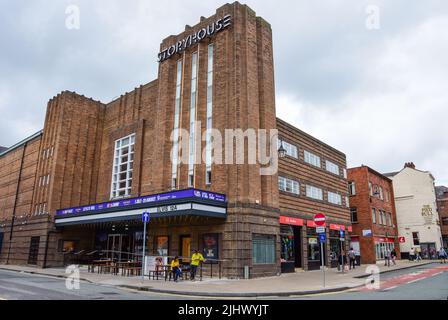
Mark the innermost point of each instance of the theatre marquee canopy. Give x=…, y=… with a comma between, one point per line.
x=190, y=202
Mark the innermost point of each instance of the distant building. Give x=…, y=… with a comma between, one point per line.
x=3, y=149
x=417, y=217
x=373, y=214
x=442, y=206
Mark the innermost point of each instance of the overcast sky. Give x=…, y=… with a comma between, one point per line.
x=378, y=94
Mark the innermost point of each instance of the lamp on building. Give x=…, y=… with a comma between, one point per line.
x=281, y=150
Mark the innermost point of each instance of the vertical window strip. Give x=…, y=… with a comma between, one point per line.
x=123, y=165
x=175, y=159
x=193, y=98
x=209, y=114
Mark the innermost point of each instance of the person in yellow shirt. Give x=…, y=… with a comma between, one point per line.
x=175, y=268
x=196, y=259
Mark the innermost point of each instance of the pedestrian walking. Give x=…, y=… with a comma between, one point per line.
x=352, y=258
x=418, y=256
x=393, y=256
x=387, y=257
x=412, y=254
x=442, y=255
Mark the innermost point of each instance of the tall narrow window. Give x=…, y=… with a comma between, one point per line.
x=122, y=167
x=374, y=215
x=191, y=158
x=208, y=156
x=175, y=158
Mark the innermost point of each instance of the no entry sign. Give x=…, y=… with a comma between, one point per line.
x=401, y=239
x=319, y=219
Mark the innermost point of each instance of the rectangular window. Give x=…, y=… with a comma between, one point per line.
x=389, y=216
x=312, y=159
x=334, y=198
x=352, y=188
x=373, y=216
x=370, y=189
x=288, y=185
x=122, y=168
x=347, y=202
x=416, y=238
x=315, y=193
x=193, y=98
x=291, y=150
x=177, y=106
x=354, y=214
x=332, y=167
x=208, y=150
x=162, y=245
x=263, y=249
x=381, y=193
x=345, y=173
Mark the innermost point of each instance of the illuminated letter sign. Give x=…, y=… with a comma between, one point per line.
x=196, y=37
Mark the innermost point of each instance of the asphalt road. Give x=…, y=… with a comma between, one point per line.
x=427, y=282
x=421, y=283
x=24, y=286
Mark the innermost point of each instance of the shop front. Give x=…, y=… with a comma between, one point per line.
x=181, y=221
x=291, y=243
x=382, y=244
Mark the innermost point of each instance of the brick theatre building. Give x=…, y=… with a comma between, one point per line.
x=373, y=214
x=81, y=185
x=442, y=208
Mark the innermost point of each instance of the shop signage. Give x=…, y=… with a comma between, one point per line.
x=291, y=221
x=200, y=35
x=383, y=239
x=367, y=233
x=181, y=194
x=401, y=239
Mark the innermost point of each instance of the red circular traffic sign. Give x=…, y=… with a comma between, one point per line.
x=401, y=239
x=319, y=219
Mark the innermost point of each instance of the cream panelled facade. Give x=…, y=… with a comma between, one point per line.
x=416, y=206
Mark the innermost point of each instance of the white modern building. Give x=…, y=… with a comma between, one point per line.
x=416, y=206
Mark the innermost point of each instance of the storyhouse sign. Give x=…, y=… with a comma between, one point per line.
x=196, y=37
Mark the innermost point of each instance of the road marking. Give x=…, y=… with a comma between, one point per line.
x=2, y=298
x=18, y=290
x=387, y=289
x=409, y=282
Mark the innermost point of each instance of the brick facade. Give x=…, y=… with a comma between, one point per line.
x=366, y=183
x=70, y=163
x=442, y=208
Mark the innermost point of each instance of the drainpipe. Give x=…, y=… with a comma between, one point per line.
x=15, y=202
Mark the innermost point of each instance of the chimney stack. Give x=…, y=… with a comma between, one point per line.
x=409, y=165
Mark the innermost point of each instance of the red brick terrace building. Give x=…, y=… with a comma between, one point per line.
x=373, y=214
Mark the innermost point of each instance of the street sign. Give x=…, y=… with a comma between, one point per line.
x=401, y=239
x=320, y=229
x=319, y=219
x=146, y=216
x=322, y=237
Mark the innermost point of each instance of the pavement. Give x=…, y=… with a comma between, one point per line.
x=293, y=284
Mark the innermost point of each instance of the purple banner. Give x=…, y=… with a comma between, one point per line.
x=190, y=193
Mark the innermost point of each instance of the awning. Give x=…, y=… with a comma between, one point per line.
x=183, y=203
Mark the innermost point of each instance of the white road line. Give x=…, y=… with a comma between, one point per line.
x=18, y=290
x=2, y=298
x=387, y=289
x=436, y=274
x=409, y=282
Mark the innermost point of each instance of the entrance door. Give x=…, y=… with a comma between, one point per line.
x=298, y=247
x=185, y=248
x=114, y=247
x=34, y=250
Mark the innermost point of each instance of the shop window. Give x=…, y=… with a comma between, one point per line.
x=287, y=242
x=162, y=245
x=313, y=249
x=263, y=249
x=416, y=239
